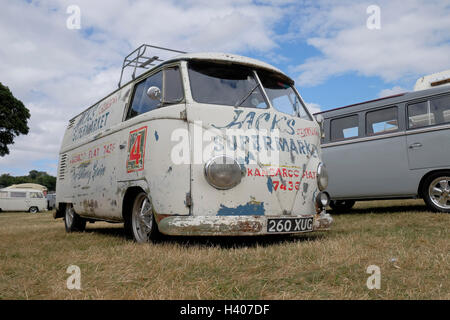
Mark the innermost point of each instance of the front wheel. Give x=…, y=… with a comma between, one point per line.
x=436, y=192
x=72, y=221
x=342, y=205
x=141, y=222
x=33, y=210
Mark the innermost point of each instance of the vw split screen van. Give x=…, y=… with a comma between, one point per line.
x=200, y=144
x=22, y=199
x=394, y=147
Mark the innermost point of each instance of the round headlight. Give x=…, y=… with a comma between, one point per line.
x=223, y=172
x=322, y=177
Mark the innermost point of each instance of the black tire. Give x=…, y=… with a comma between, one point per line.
x=342, y=205
x=142, y=227
x=436, y=191
x=72, y=221
x=33, y=210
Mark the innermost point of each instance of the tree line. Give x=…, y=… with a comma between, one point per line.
x=34, y=176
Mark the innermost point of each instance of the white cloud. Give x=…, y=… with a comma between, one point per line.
x=313, y=107
x=392, y=91
x=413, y=40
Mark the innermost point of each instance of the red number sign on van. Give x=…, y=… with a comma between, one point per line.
x=136, y=150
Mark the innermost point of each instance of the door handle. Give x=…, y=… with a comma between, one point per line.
x=415, y=145
x=122, y=146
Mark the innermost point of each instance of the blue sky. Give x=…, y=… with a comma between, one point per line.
x=325, y=46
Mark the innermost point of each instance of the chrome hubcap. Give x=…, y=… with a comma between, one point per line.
x=69, y=216
x=439, y=192
x=143, y=220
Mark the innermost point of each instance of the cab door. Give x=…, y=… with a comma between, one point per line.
x=427, y=139
x=147, y=139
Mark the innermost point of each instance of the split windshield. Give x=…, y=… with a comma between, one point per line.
x=235, y=85
x=225, y=85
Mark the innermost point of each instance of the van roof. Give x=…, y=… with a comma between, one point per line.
x=398, y=98
x=201, y=56
x=226, y=57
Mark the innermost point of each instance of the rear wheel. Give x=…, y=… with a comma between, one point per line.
x=72, y=221
x=342, y=205
x=436, y=192
x=141, y=222
x=33, y=210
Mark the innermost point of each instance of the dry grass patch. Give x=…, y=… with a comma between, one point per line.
x=408, y=243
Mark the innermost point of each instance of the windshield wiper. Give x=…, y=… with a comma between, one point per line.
x=239, y=102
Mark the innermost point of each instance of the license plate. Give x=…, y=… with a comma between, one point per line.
x=290, y=225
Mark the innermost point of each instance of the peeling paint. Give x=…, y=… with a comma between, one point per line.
x=252, y=208
x=269, y=184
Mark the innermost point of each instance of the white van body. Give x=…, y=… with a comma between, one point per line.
x=111, y=153
x=15, y=199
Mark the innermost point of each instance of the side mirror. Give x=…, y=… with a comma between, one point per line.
x=320, y=121
x=154, y=93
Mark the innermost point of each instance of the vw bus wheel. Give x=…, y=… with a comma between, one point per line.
x=342, y=205
x=33, y=210
x=436, y=192
x=143, y=225
x=72, y=221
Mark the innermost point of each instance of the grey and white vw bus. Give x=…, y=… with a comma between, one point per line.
x=391, y=148
x=201, y=144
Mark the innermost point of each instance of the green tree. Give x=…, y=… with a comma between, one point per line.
x=13, y=119
x=39, y=177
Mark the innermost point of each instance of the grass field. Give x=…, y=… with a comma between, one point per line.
x=408, y=243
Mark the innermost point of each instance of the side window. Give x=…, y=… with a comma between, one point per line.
x=3, y=194
x=344, y=128
x=171, y=86
x=428, y=113
x=382, y=121
x=419, y=115
x=36, y=195
x=440, y=108
x=141, y=102
x=18, y=194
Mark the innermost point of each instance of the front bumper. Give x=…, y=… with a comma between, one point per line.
x=231, y=225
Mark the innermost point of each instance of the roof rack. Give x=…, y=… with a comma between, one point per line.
x=138, y=59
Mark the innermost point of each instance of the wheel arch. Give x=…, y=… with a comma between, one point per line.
x=60, y=210
x=425, y=177
x=128, y=200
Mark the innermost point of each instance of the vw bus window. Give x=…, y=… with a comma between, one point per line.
x=173, y=86
x=36, y=195
x=440, y=107
x=419, y=115
x=282, y=95
x=428, y=113
x=344, y=128
x=141, y=101
x=382, y=121
x=222, y=84
x=18, y=194
x=3, y=194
